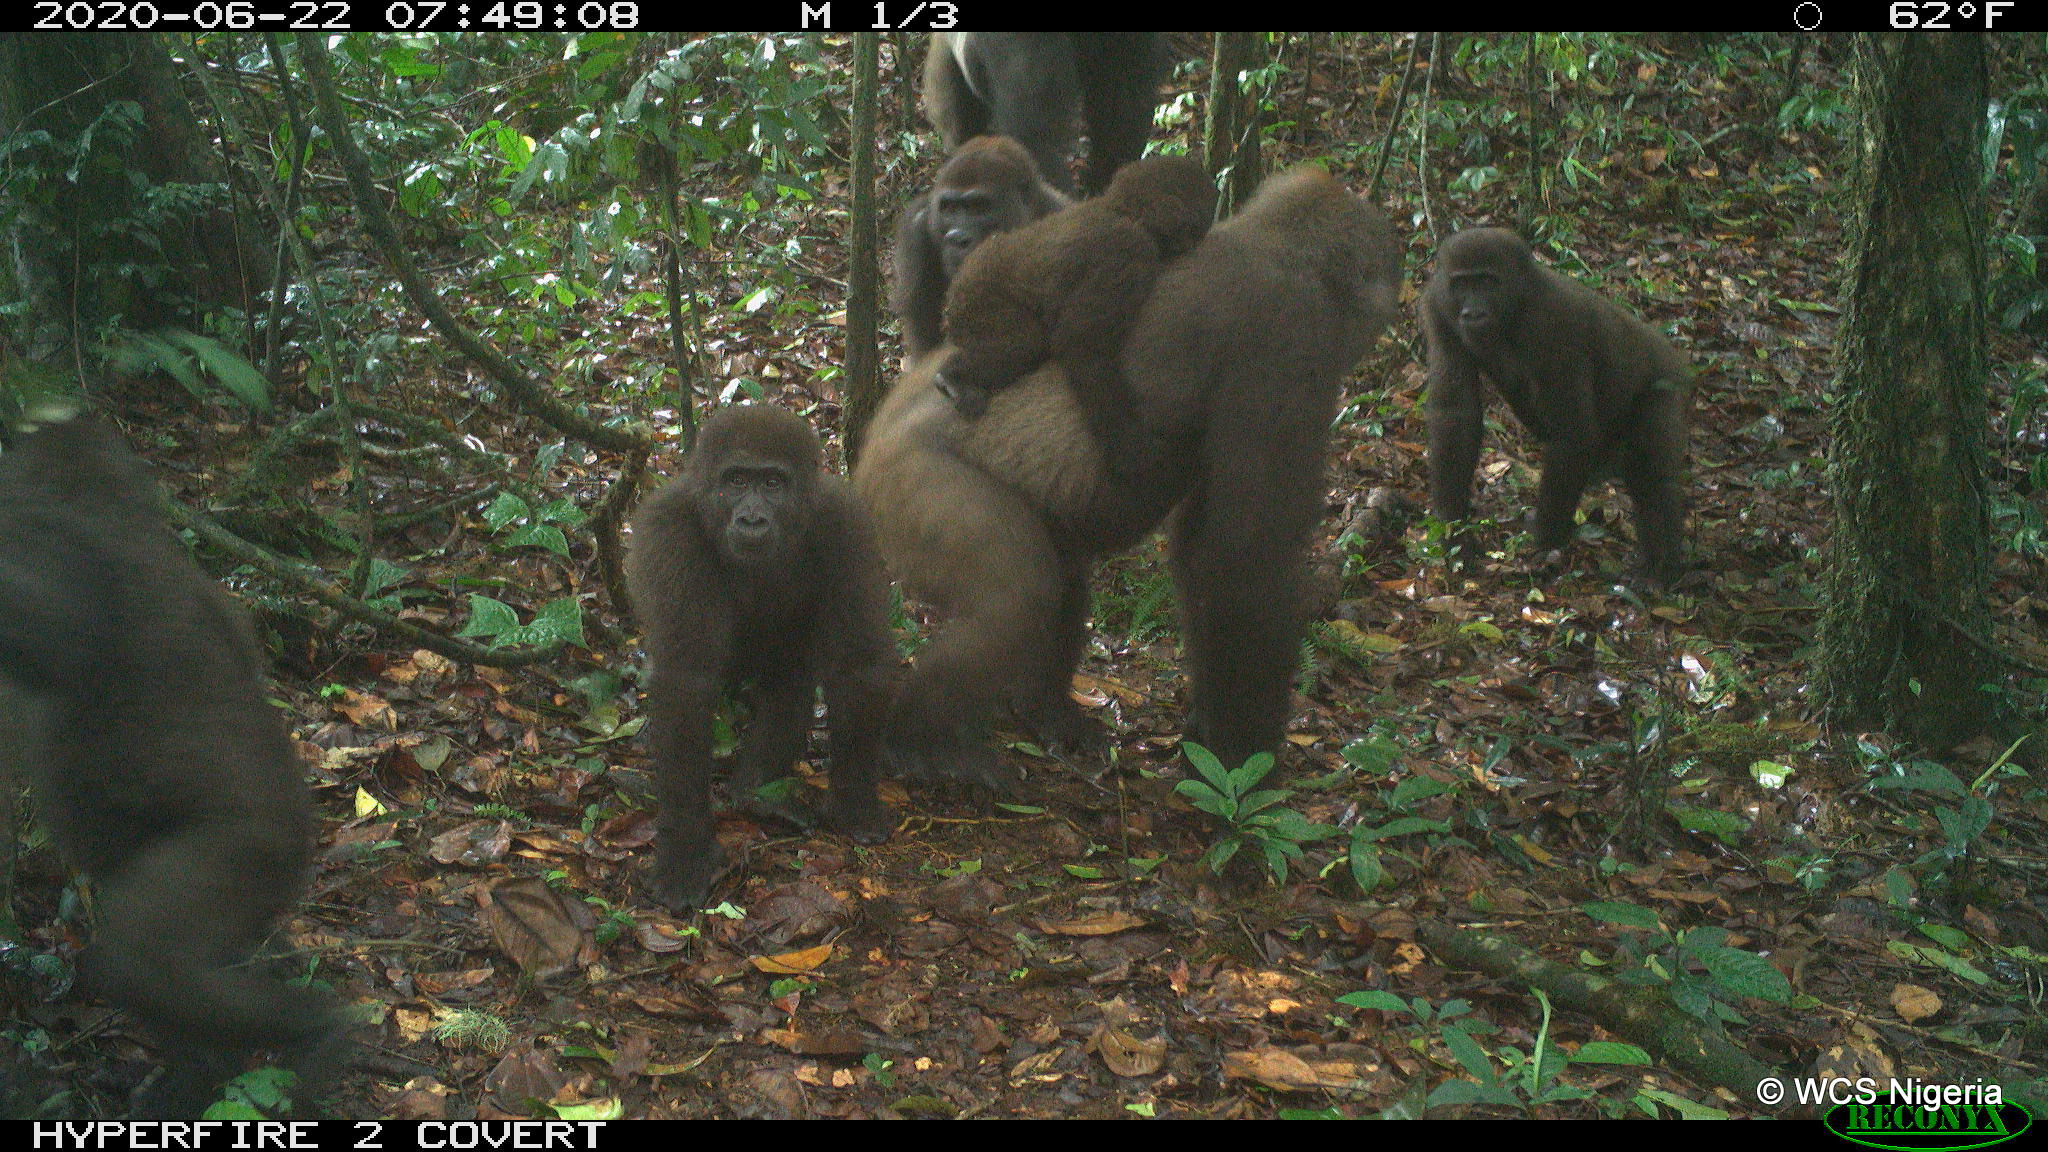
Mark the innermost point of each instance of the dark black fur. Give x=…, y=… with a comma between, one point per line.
x=1029, y=86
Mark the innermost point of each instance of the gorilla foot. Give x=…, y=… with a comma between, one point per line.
x=869, y=823
x=784, y=799
x=1067, y=730
x=683, y=879
x=922, y=750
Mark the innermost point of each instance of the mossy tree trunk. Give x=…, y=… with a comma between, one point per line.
x=1909, y=563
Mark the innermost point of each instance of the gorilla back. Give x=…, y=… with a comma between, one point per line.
x=1235, y=365
x=157, y=765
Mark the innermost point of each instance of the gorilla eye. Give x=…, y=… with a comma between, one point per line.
x=774, y=482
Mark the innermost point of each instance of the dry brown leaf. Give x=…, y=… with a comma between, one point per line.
x=523, y=1076
x=472, y=844
x=1127, y=1055
x=817, y=1041
x=531, y=923
x=1274, y=1067
x=793, y=963
x=1100, y=924
x=1038, y=1067
x=1914, y=1003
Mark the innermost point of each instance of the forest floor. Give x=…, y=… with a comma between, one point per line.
x=1624, y=784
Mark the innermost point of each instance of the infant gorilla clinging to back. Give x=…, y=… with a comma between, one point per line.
x=1068, y=288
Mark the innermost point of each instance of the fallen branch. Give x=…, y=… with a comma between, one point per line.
x=1635, y=1013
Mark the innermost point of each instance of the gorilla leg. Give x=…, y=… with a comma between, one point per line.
x=1034, y=96
x=857, y=699
x=148, y=958
x=1567, y=468
x=777, y=733
x=774, y=740
x=1239, y=577
x=1654, y=473
x=977, y=552
x=687, y=859
x=1120, y=74
x=1061, y=725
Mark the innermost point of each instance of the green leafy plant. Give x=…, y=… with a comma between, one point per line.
x=474, y=1030
x=1252, y=817
x=1506, y=1076
x=522, y=525
x=493, y=619
x=1963, y=819
x=258, y=1094
x=1652, y=956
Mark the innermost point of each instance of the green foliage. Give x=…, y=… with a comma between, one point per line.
x=91, y=209
x=192, y=360
x=2017, y=511
x=1962, y=813
x=1252, y=817
x=472, y=1029
x=1133, y=600
x=495, y=621
x=1505, y=1077
x=534, y=527
x=1651, y=956
x=258, y=1094
x=2019, y=282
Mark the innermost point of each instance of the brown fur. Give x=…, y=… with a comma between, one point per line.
x=1603, y=392
x=989, y=186
x=1235, y=362
x=777, y=583
x=158, y=765
x=1068, y=288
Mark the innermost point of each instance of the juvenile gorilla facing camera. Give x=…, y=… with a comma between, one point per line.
x=990, y=186
x=755, y=567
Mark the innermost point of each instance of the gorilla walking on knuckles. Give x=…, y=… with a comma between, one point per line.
x=1235, y=363
x=157, y=765
x=1029, y=85
x=754, y=565
x=1069, y=287
x=1601, y=391
x=989, y=186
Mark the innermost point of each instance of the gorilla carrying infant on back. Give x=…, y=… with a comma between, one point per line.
x=1232, y=367
x=754, y=565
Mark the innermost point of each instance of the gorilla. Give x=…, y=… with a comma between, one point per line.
x=1603, y=392
x=755, y=567
x=1029, y=85
x=1235, y=363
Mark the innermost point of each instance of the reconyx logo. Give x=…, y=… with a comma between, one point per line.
x=1888, y=1121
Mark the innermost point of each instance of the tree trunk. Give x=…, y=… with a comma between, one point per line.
x=863, y=374
x=1230, y=138
x=1902, y=644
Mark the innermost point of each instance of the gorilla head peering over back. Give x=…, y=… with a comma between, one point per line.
x=1234, y=365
